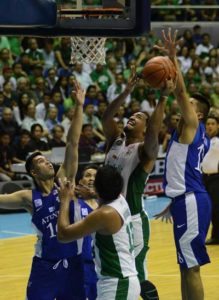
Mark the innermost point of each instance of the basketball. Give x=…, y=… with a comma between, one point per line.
x=157, y=70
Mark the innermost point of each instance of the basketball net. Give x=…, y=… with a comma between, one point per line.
x=88, y=50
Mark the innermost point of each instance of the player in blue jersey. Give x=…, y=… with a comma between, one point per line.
x=57, y=269
x=88, y=204
x=191, y=206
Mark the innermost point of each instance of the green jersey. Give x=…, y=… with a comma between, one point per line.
x=114, y=254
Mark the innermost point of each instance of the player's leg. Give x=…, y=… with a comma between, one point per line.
x=183, y=285
x=41, y=284
x=90, y=280
x=141, y=230
x=73, y=283
x=194, y=286
x=191, y=217
x=118, y=289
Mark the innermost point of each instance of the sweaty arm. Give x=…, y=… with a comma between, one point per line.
x=104, y=220
x=17, y=200
x=110, y=127
x=190, y=119
x=70, y=164
x=149, y=150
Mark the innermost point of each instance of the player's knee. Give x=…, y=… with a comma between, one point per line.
x=149, y=291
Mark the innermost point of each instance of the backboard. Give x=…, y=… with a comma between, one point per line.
x=102, y=18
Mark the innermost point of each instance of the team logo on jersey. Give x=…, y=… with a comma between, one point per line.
x=55, y=192
x=84, y=212
x=38, y=202
x=51, y=209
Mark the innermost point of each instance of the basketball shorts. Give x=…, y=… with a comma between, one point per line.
x=116, y=288
x=90, y=280
x=191, y=219
x=141, y=233
x=61, y=280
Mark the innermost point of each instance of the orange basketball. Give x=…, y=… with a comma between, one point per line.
x=157, y=70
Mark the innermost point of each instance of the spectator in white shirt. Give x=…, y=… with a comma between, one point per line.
x=116, y=89
x=69, y=114
x=82, y=76
x=43, y=107
x=210, y=168
x=204, y=48
x=30, y=119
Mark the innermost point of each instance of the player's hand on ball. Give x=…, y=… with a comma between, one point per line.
x=169, y=87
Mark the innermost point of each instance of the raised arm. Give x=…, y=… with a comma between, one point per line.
x=110, y=127
x=188, y=113
x=149, y=149
x=70, y=165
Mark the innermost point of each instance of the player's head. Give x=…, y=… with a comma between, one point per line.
x=39, y=167
x=137, y=124
x=88, y=175
x=212, y=125
x=201, y=105
x=108, y=184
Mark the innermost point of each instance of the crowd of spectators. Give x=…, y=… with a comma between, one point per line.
x=36, y=90
x=184, y=10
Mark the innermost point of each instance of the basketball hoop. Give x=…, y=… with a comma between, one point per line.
x=90, y=49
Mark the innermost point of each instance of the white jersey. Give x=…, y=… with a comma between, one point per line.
x=124, y=158
x=210, y=163
x=114, y=254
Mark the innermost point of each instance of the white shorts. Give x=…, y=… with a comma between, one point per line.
x=115, y=288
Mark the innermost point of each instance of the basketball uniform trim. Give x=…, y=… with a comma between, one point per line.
x=191, y=217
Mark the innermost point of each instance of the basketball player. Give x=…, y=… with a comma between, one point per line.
x=57, y=269
x=134, y=153
x=87, y=206
x=191, y=205
x=113, y=236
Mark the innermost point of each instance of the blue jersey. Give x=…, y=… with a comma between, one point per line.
x=87, y=243
x=44, y=219
x=182, y=168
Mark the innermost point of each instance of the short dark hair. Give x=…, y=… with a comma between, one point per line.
x=214, y=117
x=84, y=126
x=33, y=127
x=203, y=104
x=24, y=132
x=57, y=126
x=29, y=161
x=108, y=183
x=91, y=166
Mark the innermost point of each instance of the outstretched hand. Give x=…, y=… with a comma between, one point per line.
x=132, y=81
x=65, y=189
x=165, y=215
x=170, y=43
x=84, y=192
x=78, y=93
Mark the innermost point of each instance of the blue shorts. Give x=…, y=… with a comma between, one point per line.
x=61, y=280
x=191, y=217
x=90, y=280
